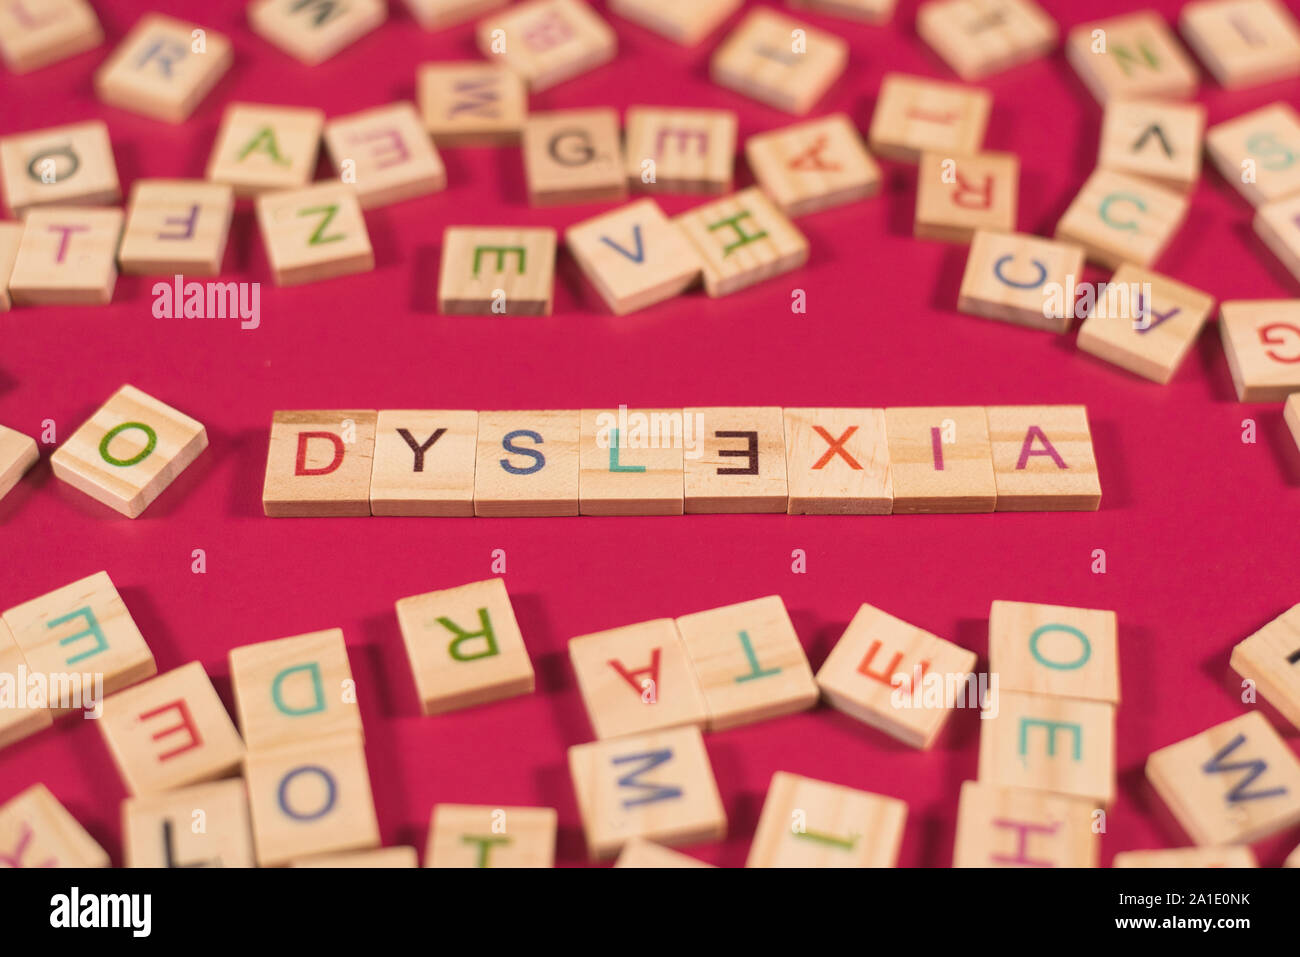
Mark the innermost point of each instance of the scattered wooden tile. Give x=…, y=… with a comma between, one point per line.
x=176, y=226
x=385, y=154
x=914, y=114
x=981, y=37
x=471, y=103
x=424, y=463
x=464, y=646
x=289, y=690
x=67, y=257
x=11, y=237
x=481, y=835
x=81, y=631
x=1154, y=140
x=1291, y=413
x=1152, y=345
x=129, y=451
x=779, y=61
x=1293, y=859
x=163, y=830
x=814, y=165
x=883, y=671
x=1198, y=857
x=1278, y=224
x=547, y=41
x=527, y=463
x=1012, y=827
x=738, y=461
x=1242, y=42
x=641, y=853
x=1022, y=279
x=940, y=460
x=1271, y=656
x=635, y=256
x=1043, y=458
x=498, y=271
x=1055, y=650
x=683, y=21
x=573, y=156
x=956, y=196
x=31, y=38
x=37, y=831
x=743, y=239
x=58, y=166
x=380, y=857
x=1130, y=56
x=162, y=69
x=630, y=462
x=1261, y=340
x=19, y=718
x=312, y=797
x=1062, y=745
x=319, y=463
x=868, y=11
x=1258, y=153
x=314, y=233
x=676, y=150
x=837, y=462
x=313, y=32
x=1119, y=219
x=261, y=148
x=810, y=823
x=18, y=453
x=440, y=14
x=1234, y=783
x=657, y=786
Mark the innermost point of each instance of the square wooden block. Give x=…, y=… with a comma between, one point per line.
x=635, y=256
x=1153, y=140
x=1151, y=345
x=500, y=271
x=1197, y=857
x=573, y=156
x=641, y=853
x=1022, y=279
x=1258, y=153
x=21, y=718
x=319, y=463
x=464, y=646
x=77, y=633
x=810, y=823
x=914, y=114
x=314, y=233
x=814, y=165
x=1043, y=458
x=293, y=689
x=527, y=463
x=657, y=786
x=1062, y=745
x=1278, y=224
x=1011, y=827
x=471, y=104
x=957, y=196
x=1235, y=783
x=738, y=461
x=18, y=453
x=1291, y=414
x=37, y=831
x=866, y=11
x=176, y=226
x=11, y=237
x=837, y=462
x=159, y=830
x=871, y=674
x=743, y=239
x=547, y=41
x=129, y=451
x=261, y=148
x=381, y=857
x=385, y=155
x=779, y=61
x=1131, y=56
x=67, y=257
x=637, y=678
x=424, y=463
x=1261, y=340
x=311, y=32
x=32, y=37
x=677, y=150
x=941, y=460
x=1271, y=658
x=171, y=731
x=440, y=14
x=481, y=835
x=683, y=21
x=981, y=37
x=1119, y=219
x=631, y=462
x=1055, y=650
x=312, y=797
x=160, y=69
x=59, y=166
x=748, y=661
x=1243, y=42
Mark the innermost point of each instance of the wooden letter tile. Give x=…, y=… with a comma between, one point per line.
x=941, y=460
x=424, y=463
x=129, y=451
x=11, y=237
x=837, y=462
x=19, y=717
x=158, y=830
x=1243, y=42
x=67, y=257
x=779, y=61
x=1118, y=218
x=37, y=831
x=631, y=461
x=314, y=32
x=1291, y=414
x=527, y=463
x=1153, y=140
x=812, y=166
x=956, y=196
x=319, y=463
x=1258, y=153
x=1271, y=658
x=59, y=166
x=547, y=41
x=1197, y=857
x=440, y=14
x=36, y=35
x=1130, y=56
x=740, y=465
x=292, y=689
x=18, y=453
x=683, y=21
x=314, y=233
x=1235, y=783
x=981, y=37
x=471, y=103
x=573, y=156
x=1278, y=224
x=914, y=114
x=1012, y=827
x=871, y=674
x=809, y=823
x=743, y=239
x=672, y=150
x=1055, y=650
x=380, y=857
x=464, y=646
x=160, y=69
x=866, y=11
x=261, y=148
x=497, y=271
x=469, y=835
x=1043, y=459
x=641, y=853
x=176, y=226
x=657, y=786
x=392, y=157
x=1261, y=340
x=1022, y=279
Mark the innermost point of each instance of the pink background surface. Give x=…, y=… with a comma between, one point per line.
x=1200, y=530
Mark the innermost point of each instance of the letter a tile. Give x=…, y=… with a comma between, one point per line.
x=1043, y=459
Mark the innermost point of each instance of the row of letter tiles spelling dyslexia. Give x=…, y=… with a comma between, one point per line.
x=675, y=461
